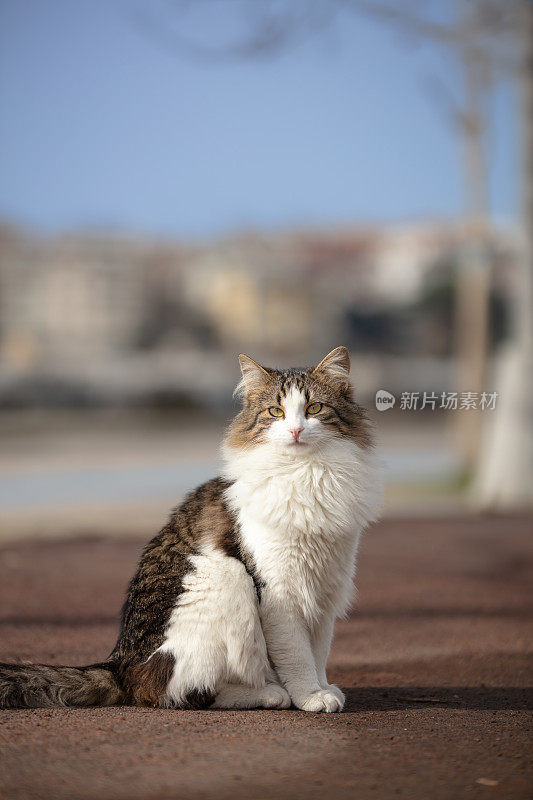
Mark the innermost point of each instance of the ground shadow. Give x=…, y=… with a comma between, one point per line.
x=441, y=612
x=383, y=698
x=60, y=622
x=423, y=612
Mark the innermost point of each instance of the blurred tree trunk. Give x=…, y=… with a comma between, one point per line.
x=473, y=277
x=505, y=473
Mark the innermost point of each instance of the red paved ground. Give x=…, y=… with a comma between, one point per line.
x=436, y=662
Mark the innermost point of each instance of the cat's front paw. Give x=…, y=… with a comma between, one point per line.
x=330, y=687
x=323, y=700
x=274, y=696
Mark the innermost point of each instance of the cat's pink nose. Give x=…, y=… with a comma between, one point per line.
x=296, y=433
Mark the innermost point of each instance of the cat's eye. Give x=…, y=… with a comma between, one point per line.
x=314, y=408
x=274, y=411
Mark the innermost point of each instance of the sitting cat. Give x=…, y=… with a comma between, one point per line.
x=234, y=601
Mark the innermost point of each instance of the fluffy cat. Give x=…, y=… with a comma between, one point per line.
x=234, y=601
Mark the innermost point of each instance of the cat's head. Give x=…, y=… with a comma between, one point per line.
x=297, y=410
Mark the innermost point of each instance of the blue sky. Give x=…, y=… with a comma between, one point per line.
x=102, y=126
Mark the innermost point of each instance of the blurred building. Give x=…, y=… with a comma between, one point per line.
x=98, y=317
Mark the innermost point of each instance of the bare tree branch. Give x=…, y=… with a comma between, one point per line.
x=271, y=30
x=274, y=27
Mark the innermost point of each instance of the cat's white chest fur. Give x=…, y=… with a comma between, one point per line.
x=300, y=517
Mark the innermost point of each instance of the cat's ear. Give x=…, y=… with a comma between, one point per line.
x=336, y=365
x=253, y=375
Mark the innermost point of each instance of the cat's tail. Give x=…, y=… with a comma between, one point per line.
x=41, y=685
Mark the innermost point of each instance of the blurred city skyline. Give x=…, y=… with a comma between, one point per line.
x=109, y=129
x=89, y=319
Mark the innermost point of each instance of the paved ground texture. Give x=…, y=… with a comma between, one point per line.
x=436, y=661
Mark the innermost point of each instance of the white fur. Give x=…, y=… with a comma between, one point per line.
x=301, y=509
x=215, y=632
x=301, y=513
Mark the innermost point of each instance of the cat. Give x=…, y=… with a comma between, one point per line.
x=234, y=601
